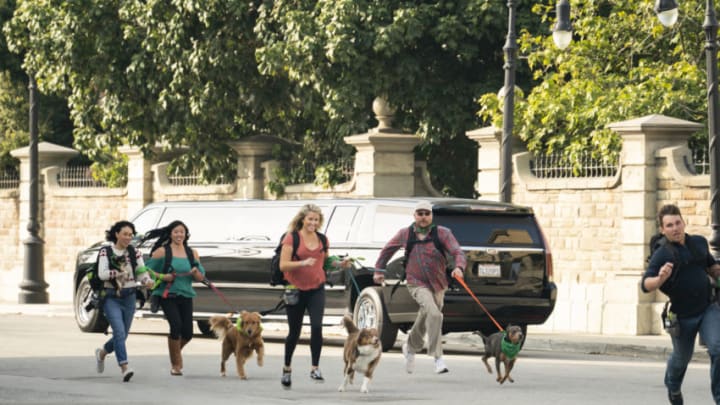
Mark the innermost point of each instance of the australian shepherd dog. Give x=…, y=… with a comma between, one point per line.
x=362, y=352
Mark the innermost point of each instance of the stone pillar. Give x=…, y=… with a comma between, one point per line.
x=49, y=155
x=251, y=152
x=489, y=151
x=139, y=183
x=140, y=176
x=627, y=308
x=385, y=161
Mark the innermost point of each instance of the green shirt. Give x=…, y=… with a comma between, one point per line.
x=182, y=285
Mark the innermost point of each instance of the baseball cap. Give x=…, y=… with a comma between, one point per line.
x=423, y=205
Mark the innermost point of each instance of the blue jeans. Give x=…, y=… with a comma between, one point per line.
x=119, y=312
x=708, y=325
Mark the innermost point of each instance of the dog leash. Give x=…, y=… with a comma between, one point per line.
x=462, y=283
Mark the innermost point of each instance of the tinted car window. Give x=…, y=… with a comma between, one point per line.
x=389, y=220
x=493, y=229
x=146, y=220
x=340, y=223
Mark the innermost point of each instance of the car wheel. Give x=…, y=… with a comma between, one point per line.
x=87, y=320
x=370, y=313
x=204, y=327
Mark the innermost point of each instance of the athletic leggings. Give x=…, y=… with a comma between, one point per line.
x=314, y=302
x=179, y=313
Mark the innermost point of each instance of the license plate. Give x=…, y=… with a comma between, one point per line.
x=488, y=270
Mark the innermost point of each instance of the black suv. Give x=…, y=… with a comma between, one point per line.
x=509, y=265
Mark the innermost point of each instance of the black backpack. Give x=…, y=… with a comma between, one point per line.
x=413, y=240
x=276, y=275
x=92, y=274
x=167, y=265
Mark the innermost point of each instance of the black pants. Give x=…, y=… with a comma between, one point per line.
x=178, y=311
x=314, y=302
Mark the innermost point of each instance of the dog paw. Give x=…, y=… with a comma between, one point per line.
x=260, y=362
x=222, y=374
x=243, y=377
x=341, y=388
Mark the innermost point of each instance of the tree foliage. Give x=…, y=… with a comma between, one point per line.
x=621, y=65
x=205, y=72
x=53, y=124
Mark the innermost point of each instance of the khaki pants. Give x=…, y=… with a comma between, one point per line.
x=429, y=320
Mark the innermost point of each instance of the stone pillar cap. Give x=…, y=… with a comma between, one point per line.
x=654, y=122
x=46, y=149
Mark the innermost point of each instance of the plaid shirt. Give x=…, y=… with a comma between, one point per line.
x=426, y=265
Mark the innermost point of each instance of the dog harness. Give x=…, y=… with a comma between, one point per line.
x=509, y=349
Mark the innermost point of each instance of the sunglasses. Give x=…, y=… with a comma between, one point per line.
x=423, y=213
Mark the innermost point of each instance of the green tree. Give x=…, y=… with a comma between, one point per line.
x=622, y=64
x=430, y=58
x=54, y=124
x=204, y=72
x=142, y=73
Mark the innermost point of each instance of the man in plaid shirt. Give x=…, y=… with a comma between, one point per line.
x=426, y=281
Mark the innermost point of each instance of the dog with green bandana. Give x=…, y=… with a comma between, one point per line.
x=504, y=346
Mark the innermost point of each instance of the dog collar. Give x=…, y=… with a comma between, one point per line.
x=509, y=349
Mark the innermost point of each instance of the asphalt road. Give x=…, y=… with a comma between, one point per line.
x=47, y=360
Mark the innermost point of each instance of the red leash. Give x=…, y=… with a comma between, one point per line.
x=219, y=294
x=462, y=283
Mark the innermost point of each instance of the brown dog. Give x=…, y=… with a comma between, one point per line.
x=240, y=339
x=504, y=352
x=362, y=352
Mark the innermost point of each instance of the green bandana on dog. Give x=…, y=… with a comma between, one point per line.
x=509, y=349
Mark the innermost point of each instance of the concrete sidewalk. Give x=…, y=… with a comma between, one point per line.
x=648, y=347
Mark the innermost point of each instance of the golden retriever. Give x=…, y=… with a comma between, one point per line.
x=241, y=339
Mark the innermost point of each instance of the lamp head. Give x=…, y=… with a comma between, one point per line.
x=562, y=31
x=667, y=12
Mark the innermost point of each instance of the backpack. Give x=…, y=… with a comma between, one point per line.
x=96, y=284
x=167, y=265
x=276, y=275
x=413, y=240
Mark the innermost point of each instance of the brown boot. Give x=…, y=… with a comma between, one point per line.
x=183, y=342
x=175, y=356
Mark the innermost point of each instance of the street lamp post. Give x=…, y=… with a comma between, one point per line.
x=562, y=35
x=667, y=11
x=33, y=286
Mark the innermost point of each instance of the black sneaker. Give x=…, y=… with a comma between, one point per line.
x=316, y=375
x=675, y=398
x=285, y=380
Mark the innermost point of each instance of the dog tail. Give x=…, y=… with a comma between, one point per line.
x=220, y=325
x=484, y=338
x=349, y=324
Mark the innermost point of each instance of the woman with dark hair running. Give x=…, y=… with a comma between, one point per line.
x=116, y=266
x=175, y=292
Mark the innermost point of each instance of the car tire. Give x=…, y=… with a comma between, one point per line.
x=369, y=312
x=204, y=327
x=87, y=321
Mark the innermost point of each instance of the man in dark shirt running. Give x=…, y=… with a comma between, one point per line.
x=426, y=281
x=686, y=272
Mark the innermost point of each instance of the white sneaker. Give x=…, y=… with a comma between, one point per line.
x=127, y=374
x=409, y=358
x=99, y=362
x=440, y=366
